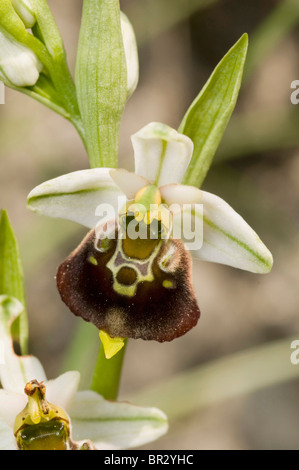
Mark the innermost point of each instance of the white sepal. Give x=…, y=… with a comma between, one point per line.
x=11, y=404
x=76, y=196
x=62, y=390
x=7, y=438
x=112, y=425
x=228, y=239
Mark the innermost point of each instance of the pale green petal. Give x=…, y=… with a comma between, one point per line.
x=228, y=239
x=180, y=194
x=16, y=371
x=11, y=404
x=129, y=183
x=76, y=196
x=7, y=439
x=112, y=425
x=62, y=390
x=131, y=53
x=162, y=155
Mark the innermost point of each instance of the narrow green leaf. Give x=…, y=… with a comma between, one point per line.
x=101, y=78
x=208, y=116
x=11, y=277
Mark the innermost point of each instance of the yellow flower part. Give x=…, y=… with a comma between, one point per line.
x=111, y=345
x=41, y=425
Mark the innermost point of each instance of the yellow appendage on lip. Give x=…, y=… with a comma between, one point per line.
x=111, y=345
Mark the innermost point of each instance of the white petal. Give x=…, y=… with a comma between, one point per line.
x=162, y=155
x=25, y=12
x=131, y=53
x=228, y=239
x=112, y=425
x=129, y=183
x=62, y=390
x=16, y=371
x=18, y=64
x=76, y=196
x=7, y=438
x=11, y=404
x=180, y=194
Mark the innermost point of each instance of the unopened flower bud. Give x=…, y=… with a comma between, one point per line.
x=18, y=64
x=131, y=53
x=25, y=12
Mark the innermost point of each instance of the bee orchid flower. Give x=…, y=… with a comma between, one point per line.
x=137, y=283
x=37, y=414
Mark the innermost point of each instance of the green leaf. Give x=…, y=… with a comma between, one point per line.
x=209, y=114
x=11, y=277
x=101, y=78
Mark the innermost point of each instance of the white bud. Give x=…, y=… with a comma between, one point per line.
x=131, y=54
x=25, y=12
x=18, y=64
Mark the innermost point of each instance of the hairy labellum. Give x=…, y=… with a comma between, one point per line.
x=131, y=288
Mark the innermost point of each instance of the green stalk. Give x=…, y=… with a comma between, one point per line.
x=107, y=374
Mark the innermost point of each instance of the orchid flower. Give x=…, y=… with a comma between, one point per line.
x=53, y=414
x=142, y=288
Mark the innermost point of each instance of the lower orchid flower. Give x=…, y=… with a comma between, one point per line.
x=36, y=414
x=131, y=275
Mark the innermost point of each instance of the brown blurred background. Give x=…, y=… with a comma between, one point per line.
x=256, y=170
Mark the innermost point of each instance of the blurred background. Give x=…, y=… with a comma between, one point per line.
x=228, y=384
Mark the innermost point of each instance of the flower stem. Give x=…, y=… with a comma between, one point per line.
x=107, y=374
